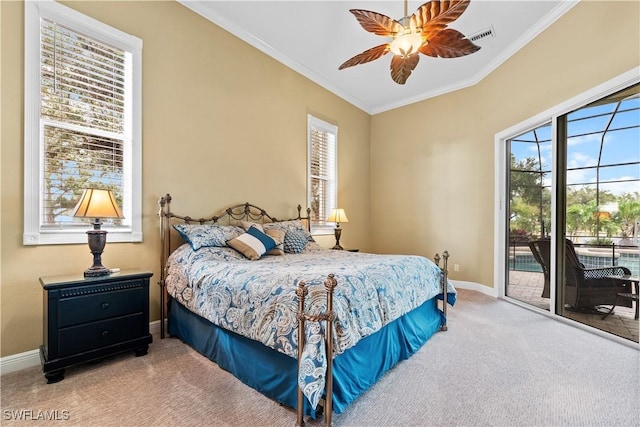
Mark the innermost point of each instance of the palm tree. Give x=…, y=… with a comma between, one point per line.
x=627, y=216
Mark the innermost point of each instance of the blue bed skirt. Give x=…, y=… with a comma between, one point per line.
x=275, y=374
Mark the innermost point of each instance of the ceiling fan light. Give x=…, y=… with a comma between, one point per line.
x=406, y=44
x=409, y=36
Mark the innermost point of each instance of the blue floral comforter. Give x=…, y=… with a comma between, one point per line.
x=257, y=299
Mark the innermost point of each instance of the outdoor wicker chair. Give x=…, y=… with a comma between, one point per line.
x=585, y=288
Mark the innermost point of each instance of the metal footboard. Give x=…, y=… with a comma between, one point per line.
x=329, y=316
x=445, y=273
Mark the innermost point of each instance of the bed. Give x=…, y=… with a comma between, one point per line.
x=238, y=287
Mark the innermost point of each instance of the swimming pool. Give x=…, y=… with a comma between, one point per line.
x=524, y=261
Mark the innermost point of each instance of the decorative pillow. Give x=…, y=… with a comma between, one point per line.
x=295, y=241
x=314, y=247
x=248, y=224
x=294, y=224
x=290, y=243
x=207, y=235
x=276, y=233
x=252, y=244
x=279, y=236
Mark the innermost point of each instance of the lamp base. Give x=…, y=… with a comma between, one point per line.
x=97, y=240
x=338, y=233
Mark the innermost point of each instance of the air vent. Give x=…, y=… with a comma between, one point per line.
x=483, y=34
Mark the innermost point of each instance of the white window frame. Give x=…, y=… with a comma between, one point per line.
x=319, y=227
x=34, y=234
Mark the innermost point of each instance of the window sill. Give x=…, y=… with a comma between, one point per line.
x=75, y=237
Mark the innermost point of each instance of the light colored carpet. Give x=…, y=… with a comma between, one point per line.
x=497, y=365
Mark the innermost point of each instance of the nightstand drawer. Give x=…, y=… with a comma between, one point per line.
x=89, y=308
x=100, y=334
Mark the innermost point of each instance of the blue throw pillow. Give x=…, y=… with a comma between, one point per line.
x=295, y=241
x=253, y=244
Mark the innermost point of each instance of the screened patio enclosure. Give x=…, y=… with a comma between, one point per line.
x=596, y=156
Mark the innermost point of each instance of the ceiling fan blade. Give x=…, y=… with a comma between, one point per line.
x=435, y=15
x=377, y=23
x=402, y=66
x=449, y=43
x=366, y=56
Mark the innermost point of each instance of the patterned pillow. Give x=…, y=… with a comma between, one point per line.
x=295, y=241
x=312, y=247
x=294, y=224
x=289, y=239
x=207, y=235
x=252, y=244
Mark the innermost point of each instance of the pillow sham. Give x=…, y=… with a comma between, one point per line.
x=294, y=224
x=253, y=243
x=207, y=235
x=312, y=247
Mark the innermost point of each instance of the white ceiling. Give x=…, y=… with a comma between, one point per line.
x=315, y=37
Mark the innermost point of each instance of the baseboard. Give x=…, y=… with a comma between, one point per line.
x=20, y=361
x=31, y=358
x=461, y=284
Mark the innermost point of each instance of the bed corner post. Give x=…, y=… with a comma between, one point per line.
x=301, y=292
x=445, y=273
x=329, y=285
x=163, y=211
x=329, y=316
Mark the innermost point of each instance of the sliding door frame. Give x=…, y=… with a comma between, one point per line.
x=558, y=187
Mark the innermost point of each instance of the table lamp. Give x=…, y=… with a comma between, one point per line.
x=97, y=204
x=337, y=216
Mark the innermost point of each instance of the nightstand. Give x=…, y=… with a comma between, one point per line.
x=89, y=318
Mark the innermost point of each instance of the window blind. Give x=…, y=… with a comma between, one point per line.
x=82, y=110
x=322, y=171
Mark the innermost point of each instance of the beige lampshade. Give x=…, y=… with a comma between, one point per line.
x=337, y=216
x=96, y=203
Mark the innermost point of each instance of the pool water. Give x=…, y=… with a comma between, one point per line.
x=526, y=262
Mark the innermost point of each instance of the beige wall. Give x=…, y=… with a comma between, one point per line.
x=222, y=124
x=214, y=109
x=441, y=172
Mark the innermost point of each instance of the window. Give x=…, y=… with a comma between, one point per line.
x=82, y=123
x=322, y=175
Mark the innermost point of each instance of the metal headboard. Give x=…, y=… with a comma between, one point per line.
x=231, y=215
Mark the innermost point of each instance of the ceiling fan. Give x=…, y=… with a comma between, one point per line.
x=423, y=32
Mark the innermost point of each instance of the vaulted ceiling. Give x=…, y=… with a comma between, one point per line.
x=315, y=37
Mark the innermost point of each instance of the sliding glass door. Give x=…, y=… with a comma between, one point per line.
x=573, y=213
x=602, y=210
x=529, y=214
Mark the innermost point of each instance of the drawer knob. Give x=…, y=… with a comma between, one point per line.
x=105, y=333
x=104, y=305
